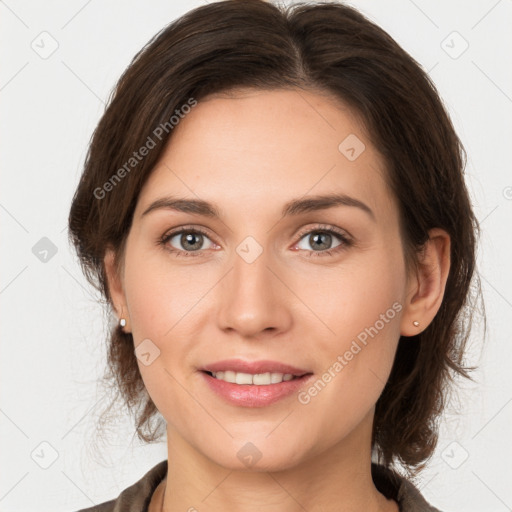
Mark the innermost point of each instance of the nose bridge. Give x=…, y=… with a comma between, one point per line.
x=250, y=269
x=252, y=297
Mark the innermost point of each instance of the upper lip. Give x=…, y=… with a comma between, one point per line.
x=254, y=367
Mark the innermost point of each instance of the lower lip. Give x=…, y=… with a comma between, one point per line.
x=250, y=395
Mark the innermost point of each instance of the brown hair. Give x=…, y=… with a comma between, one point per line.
x=324, y=47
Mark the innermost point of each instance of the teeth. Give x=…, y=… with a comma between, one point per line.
x=259, y=379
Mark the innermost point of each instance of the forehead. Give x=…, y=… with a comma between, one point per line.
x=253, y=149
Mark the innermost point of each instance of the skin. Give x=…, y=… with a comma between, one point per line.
x=250, y=153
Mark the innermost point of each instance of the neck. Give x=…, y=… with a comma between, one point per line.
x=336, y=479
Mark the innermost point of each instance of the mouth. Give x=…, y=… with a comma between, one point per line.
x=240, y=371
x=256, y=379
x=254, y=390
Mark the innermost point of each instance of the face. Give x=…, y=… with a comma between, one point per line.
x=318, y=286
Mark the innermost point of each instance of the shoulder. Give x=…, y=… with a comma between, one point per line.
x=137, y=496
x=404, y=492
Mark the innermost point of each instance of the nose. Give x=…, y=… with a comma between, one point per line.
x=253, y=298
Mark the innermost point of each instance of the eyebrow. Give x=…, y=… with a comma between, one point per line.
x=293, y=207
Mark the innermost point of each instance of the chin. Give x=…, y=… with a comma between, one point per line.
x=258, y=456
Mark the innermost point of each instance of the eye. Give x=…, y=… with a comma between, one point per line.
x=188, y=241
x=191, y=241
x=321, y=239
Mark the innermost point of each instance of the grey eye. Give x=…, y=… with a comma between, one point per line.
x=319, y=240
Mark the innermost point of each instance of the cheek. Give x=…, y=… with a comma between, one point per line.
x=166, y=304
x=351, y=299
x=162, y=297
x=362, y=310
x=161, y=302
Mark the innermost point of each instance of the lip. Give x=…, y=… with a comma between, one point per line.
x=251, y=395
x=254, y=367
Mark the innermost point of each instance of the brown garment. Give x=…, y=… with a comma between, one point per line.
x=136, y=498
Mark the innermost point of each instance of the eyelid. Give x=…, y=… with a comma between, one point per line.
x=325, y=227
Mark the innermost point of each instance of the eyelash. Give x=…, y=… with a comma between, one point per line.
x=345, y=241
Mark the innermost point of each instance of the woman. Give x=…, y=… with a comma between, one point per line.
x=274, y=207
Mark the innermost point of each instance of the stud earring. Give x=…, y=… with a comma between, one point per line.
x=122, y=322
x=416, y=323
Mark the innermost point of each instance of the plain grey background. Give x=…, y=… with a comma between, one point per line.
x=59, y=62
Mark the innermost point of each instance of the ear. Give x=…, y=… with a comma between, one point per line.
x=426, y=287
x=115, y=287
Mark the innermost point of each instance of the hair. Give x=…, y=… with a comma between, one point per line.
x=321, y=47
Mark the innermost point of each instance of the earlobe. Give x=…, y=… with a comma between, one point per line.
x=427, y=286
